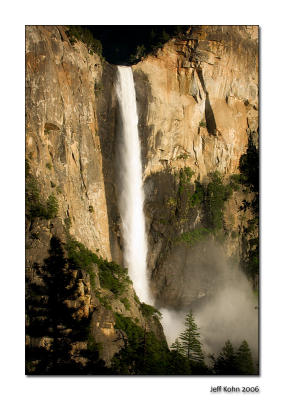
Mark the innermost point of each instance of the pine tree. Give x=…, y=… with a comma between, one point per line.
x=225, y=364
x=176, y=346
x=244, y=360
x=190, y=343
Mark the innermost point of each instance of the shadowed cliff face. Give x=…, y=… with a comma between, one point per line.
x=201, y=112
x=198, y=106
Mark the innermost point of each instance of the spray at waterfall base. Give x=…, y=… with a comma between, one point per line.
x=231, y=310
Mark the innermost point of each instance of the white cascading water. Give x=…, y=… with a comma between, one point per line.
x=131, y=196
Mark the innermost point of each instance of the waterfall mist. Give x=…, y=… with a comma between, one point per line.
x=229, y=313
x=131, y=195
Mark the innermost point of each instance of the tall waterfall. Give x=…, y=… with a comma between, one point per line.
x=131, y=198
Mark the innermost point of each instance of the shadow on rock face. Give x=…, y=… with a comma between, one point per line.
x=190, y=275
x=143, y=99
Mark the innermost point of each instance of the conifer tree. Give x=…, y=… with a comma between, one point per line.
x=225, y=364
x=244, y=360
x=176, y=346
x=190, y=343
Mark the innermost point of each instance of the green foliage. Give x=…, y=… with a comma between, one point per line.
x=249, y=167
x=198, y=196
x=51, y=207
x=216, y=195
x=112, y=276
x=183, y=156
x=35, y=206
x=92, y=345
x=55, y=319
x=81, y=257
x=189, y=195
x=98, y=86
x=165, y=36
x=171, y=203
x=202, y=123
x=177, y=346
x=230, y=362
x=67, y=223
x=185, y=175
x=142, y=354
x=126, y=303
x=136, y=298
x=235, y=182
x=52, y=184
x=48, y=165
x=225, y=363
x=156, y=39
x=126, y=324
x=251, y=263
x=149, y=311
x=104, y=301
x=194, y=236
x=80, y=33
x=190, y=345
x=178, y=364
x=244, y=361
x=250, y=259
x=140, y=52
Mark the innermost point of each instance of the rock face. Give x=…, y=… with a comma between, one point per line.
x=198, y=103
x=198, y=98
x=198, y=108
x=70, y=193
x=62, y=141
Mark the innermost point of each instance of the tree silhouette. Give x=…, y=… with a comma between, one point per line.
x=230, y=362
x=50, y=318
x=225, y=363
x=176, y=346
x=244, y=361
x=190, y=343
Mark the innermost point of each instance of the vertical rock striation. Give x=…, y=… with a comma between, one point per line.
x=62, y=141
x=198, y=109
x=198, y=113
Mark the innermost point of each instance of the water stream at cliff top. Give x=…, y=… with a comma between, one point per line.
x=131, y=195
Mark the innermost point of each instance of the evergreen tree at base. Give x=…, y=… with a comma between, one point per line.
x=230, y=362
x=225, y=364
x=190, y=343
x=244, y=361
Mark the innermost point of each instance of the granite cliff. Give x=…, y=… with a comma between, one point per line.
x=198, y=116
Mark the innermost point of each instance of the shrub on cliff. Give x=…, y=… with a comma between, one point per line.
x=80, y=33
x=194, y=236
x=36, y=207
x=249, y=167
x=112, y=276
x=216, y=195
x=149, y=311
x=142, y=354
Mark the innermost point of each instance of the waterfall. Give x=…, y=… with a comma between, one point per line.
x=131, y=195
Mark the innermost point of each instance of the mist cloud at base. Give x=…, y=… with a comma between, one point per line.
x=229, y=313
